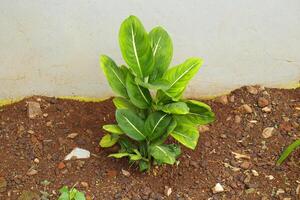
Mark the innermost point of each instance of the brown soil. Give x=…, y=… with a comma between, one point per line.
x=24, y=140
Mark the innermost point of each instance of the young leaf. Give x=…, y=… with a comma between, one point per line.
x=186, y=135
x=131, y=124
x=156, y=85
x=180, y=76
x=164, y=137
x=144, y=165
x=119, y=155
x=113, y=128
x=138, y=95
x=162, y=48
x=163, y=153
x=200, y=113
x=175, y=108
x=136, y=47
x=126, y=145
x=114, y=75
x=288, y=151
x=108, y=140
x=157, y=124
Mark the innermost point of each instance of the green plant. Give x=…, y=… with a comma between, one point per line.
x=149, y=104
x=292, y=147
x=72, y=194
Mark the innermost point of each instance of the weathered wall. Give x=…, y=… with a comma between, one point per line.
x=52, y=47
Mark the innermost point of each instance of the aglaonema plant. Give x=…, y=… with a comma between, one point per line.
x=149, y=104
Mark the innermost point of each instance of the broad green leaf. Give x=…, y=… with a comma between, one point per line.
x=176, y=149
x=79, y=196
x=186, y=135
x=131, y=124
x=138, y=95
x=162, y=49
x=136, y=156
x=164, y=137
x=126, y=145
x=136, y=47
x=199, y=114
x=292, y=147
x=115, y=76
x=156, y=125
x=122, y=103
x=175, y=108
x=162, y=98
x=180, y=75
x=119, y=155
x=156, y=85
x=108, y=140
x=113, y=128
x=163, y=153
x=144, y=165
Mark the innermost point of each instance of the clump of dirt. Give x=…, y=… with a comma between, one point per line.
x=237, y=152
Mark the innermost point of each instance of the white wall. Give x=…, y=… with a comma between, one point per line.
x=52, y=47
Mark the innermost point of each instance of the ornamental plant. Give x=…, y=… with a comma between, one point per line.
x=150, y=108
x=292, y=147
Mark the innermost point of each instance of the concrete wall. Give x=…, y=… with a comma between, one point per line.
x=52, y=47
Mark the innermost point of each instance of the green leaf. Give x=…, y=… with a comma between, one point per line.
x=163, y=153
x=138, y=95
x=136, y=47
x=126, y=145
x=115, y=76
x=113, y=128
x=156, y=85
x=186, y=135
x=119, y=155
x=157, y=124
x=164, y=137
x=162, y=98
x=175, y=108
x=200, y=113
x=131, y=124
x=79, y=196
x=108, y=140
x=144, y=165
x=64, y=196
x=162, y=48
x=292, y=147
x=180, y=76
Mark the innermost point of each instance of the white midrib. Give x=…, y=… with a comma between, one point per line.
x=118, y=78
x=135, y=51
x=142, y=94
x=156, y=46
x=188, y=138
x=164, y=152
x=134, y=126
x=183, y=74
x=158, y=123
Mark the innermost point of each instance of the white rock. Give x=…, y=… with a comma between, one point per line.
x=254, y=172
x=268, y=132
x=270, y=177
x=34, y=109
x=168, y=191
x=266, y=109
x=78, y=153
x=218, y=188
x=280, y=191
x=72, y=135
x=125, y=173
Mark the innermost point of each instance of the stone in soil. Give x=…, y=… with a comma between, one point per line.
x=246, y=108
x=78, y=153
x=218, y=188
x=203, y=128
x=245, y=165
x=3, y=184
x=262, y=102
x=268, y=132
x=266, y=109
x=34, y=109
x=222, y=99
x=72, y=135
x=252, y=90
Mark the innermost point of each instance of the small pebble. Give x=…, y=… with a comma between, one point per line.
x=218, y=188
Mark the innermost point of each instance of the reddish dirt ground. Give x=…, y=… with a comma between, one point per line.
x=32, y=151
